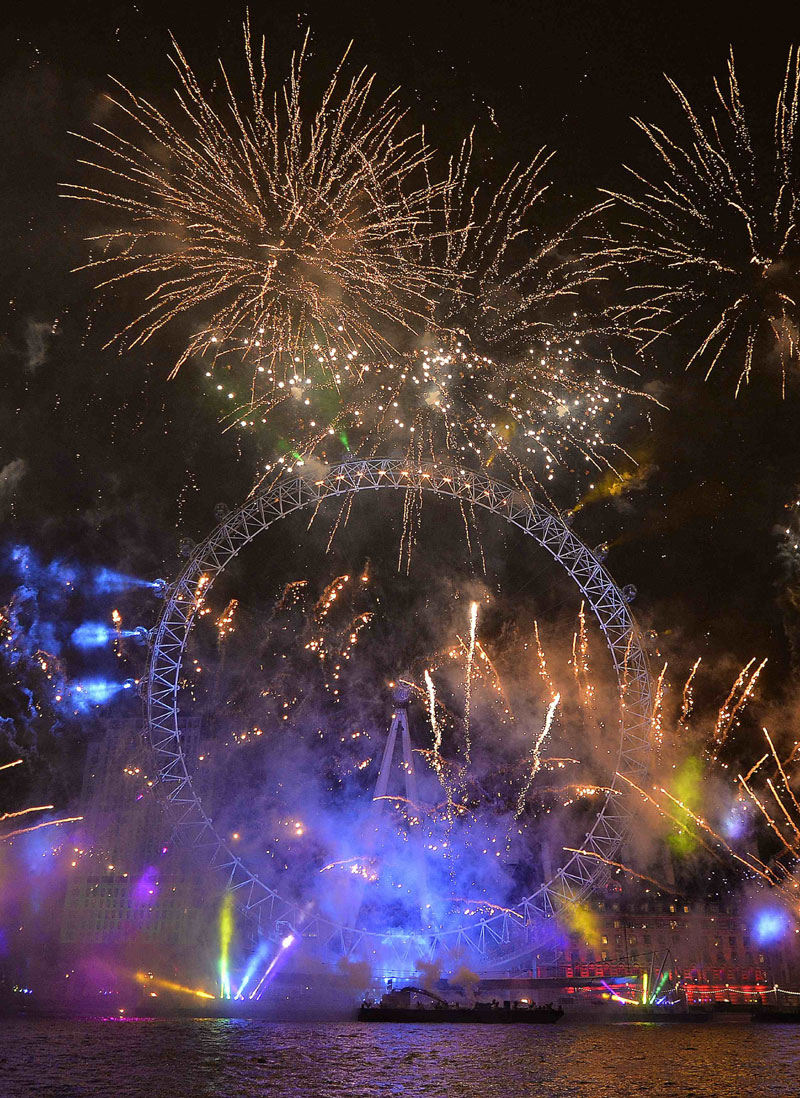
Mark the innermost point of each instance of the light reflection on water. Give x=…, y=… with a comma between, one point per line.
x=89, y=1058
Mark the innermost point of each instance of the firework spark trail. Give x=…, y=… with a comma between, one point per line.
x=753, y=865
x=756, y=766
x=748, y=860
x=412, y=511
x=541, y=659
x=728, y=712
x=786, y=813
x=487, y=663
x=510, y=300
x=224, y=622
x=580, y=660
x=7, y=766
x=473, y=624
x=763, y=810
x=745, y=695
x=436, y=731
x=497, y=682
x=356, y=865
x=620, y=866
x=25, y=811
x=535, y=756
x=715, y=238
x=781, y=770
x=329, y=596
x=396, y=799
x=290, y=591
x=657, y=718
x=496, y=909
x=580, y=789
x=687, y=699
x=37, y=827
x=341, y=520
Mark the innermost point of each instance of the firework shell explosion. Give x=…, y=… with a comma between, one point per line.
x=339, y=292
x=710, y=246
x=291, y=227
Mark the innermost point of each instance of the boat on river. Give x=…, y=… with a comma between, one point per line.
x=775, y=1016
x=419, y=1006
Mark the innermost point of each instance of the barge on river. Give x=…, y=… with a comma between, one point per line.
x=415, y=1004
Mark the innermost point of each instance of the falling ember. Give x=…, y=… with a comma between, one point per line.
x=203, y=580
x=356, y=866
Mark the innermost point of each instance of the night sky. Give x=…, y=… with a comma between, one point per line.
x=119, y=462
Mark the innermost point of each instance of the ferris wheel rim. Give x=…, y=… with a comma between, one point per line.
x=294, y=489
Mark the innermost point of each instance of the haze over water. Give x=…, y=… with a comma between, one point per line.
x=91, y=1058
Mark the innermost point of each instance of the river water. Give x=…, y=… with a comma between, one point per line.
x=92, y=1058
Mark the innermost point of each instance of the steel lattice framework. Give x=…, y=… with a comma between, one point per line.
x=514, y=930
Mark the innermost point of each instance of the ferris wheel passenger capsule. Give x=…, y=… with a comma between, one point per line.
x=629, y=592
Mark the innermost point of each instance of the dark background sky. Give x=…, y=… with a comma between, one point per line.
x=120, y=462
